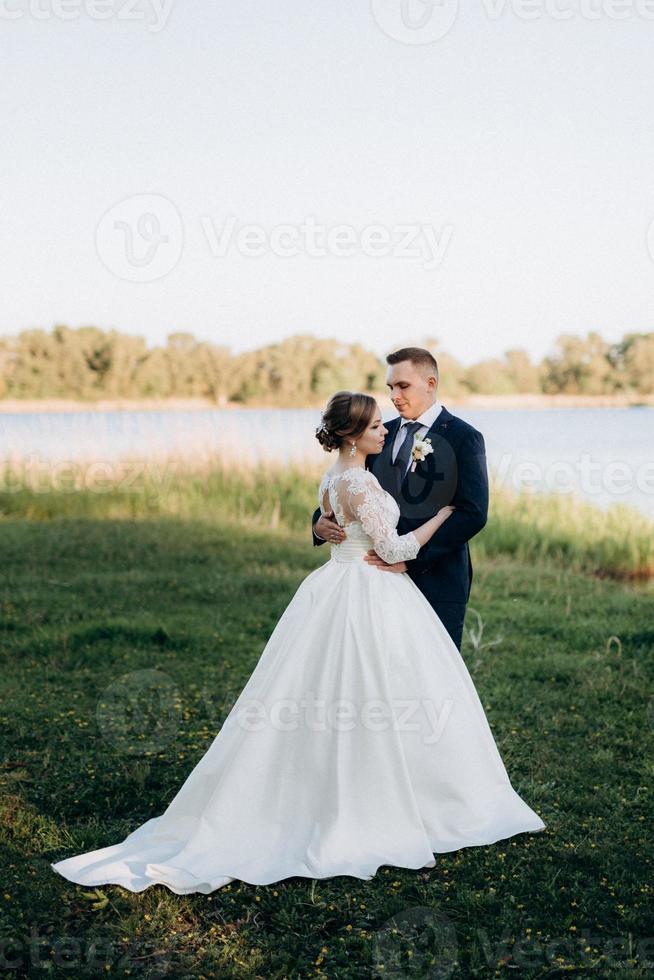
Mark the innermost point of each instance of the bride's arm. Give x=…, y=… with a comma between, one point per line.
x=425, y=531
x=366, y=501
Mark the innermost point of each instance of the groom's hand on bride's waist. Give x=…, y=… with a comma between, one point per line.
x=373, y=559
x=327, y=529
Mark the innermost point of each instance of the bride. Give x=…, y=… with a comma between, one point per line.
x=359, y=739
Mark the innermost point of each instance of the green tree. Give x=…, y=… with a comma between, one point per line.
x=580, y=366
x=489, y=378
x=523, y=376
x=634, y=362
x=151, y=375
x=118, y=363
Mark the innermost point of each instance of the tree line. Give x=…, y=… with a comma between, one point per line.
x=90, y=364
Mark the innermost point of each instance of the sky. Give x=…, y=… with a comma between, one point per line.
x=378, y=172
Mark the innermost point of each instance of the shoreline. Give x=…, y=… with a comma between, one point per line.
x=529, y=401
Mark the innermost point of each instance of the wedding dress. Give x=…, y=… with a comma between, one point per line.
x=359, y=739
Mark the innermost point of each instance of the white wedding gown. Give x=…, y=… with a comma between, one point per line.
x=359, y=739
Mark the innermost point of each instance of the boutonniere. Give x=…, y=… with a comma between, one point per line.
x=421, y=449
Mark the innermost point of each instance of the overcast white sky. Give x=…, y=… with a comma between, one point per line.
x=524, y=145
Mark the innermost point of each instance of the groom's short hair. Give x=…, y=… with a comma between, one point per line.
x=417, y=355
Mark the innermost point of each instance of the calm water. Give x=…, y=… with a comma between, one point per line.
x=602, y=454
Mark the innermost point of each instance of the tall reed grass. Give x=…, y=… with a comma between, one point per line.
x=617, y=542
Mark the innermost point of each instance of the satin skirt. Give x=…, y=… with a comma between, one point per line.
x=358, y=741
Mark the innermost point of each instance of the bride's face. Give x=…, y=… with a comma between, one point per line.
x=372, y=440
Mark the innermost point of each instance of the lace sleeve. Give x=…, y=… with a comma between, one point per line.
x=367, y=501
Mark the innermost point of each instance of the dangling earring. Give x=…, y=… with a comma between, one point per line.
x=353, y=450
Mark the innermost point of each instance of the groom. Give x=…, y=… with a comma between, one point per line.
x=454, y=472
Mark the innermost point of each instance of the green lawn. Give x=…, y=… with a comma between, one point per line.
x=563, y=667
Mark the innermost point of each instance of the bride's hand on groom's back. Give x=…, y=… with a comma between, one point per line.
x=327, y=528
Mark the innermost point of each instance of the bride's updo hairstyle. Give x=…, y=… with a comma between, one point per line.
x=347, y=415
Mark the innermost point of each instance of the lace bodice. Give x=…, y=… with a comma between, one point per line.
x=360, y=502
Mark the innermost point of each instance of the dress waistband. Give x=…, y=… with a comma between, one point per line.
x=356, y=543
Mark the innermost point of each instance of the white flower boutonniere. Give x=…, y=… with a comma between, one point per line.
x=421, y=449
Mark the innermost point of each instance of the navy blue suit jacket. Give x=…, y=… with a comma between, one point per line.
x=455, y=473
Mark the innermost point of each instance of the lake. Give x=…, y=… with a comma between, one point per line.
x=604, y=455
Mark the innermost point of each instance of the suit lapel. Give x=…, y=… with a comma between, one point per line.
x=381, y=464
x=438, y=428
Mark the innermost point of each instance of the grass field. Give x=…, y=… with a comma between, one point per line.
x=616, y=543
x=170, y=598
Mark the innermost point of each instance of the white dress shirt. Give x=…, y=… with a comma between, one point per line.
x=426, y=420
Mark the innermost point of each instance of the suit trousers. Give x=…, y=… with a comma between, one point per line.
x=452, y=614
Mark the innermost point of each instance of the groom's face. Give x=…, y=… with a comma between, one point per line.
x=411, y=389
